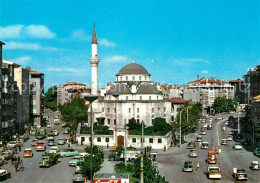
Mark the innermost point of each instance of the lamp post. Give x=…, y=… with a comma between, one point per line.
x=115, y=95
x=238, y=122
x=180, y=121
x=91, y=98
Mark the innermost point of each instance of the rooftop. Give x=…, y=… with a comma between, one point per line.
x=111, y=176
x=133, y=68
x=208, y=80
x=236, y=81
x=177, y=100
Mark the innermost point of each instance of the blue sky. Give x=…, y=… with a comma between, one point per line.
x=174, y=40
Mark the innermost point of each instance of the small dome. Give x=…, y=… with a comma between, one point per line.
x=148, y=89
x=133, y=68
x=119, y=88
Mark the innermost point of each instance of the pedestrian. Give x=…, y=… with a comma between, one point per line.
x=20, y=148
x=107, y=145
x=18, y=160
x=200, y=144
x=164, y=148
x=21, y=166
x=198, y=166
x=16, y=167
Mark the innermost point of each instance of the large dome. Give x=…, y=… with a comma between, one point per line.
x=133, y=68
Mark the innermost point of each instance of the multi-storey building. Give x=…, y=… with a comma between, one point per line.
x=209, y=89
x=252, y=83
x=1, y=60
x=239, y=87
x=9, y=99
x=21, y=77
x=36, y=82
x=255, y=117
x=67, y=91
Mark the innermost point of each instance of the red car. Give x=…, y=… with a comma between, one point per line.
x=28, y=153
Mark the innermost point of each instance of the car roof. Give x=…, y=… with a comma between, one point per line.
x=28, y=149
x=255, y=162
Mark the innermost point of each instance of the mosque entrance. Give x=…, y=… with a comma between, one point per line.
x=120, y=141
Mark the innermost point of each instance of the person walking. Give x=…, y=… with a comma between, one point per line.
x=20, y=148
x=198, y=166
x=16, y=166
x=21, y=166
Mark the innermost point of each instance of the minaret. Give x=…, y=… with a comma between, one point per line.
x=94, y=60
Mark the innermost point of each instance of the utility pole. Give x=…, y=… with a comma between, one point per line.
x=142, y=168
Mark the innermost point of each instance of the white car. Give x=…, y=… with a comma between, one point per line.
x=12, y=144
x=193, y=153
x=54, y=149
x=237, y=146
x=48, y=125
x=229, y=138
x=199, y=139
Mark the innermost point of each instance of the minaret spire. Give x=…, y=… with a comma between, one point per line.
x=94, y=36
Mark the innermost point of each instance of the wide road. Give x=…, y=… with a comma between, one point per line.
x=58, y=173
x=170, y=163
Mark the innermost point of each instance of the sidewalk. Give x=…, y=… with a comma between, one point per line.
x=107, y=167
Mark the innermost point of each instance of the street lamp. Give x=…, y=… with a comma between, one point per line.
x=180, y=121
x=115, y=95
x=238, y=123
x=91, y=98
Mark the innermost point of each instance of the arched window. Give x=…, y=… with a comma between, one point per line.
x=133, y=78
x=150, y=98
x=126, y=78
x=145, y=78
x=140, y=78
x=120, y=78
x=140, y=97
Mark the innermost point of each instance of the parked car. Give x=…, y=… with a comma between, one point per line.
x=55, y=132
x=193, y=153
x=191, y=145
x=7, y=154
x=237, y=146
x=61, y=141
x=12, y=144
x=257, y=152
x=188, y=166
x=78, y=178
x=34, y=142
x=75, y=160
x=54, y=149
x=68, y=152
x=28, y=153
x=254, y=165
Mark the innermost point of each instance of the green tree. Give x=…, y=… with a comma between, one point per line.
x=50, y=98
x=225, y=105
x=133, y=125
x=74, y=112
x=97, y=160
x=160, y=124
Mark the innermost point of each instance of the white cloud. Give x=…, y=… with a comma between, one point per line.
x=22, y=60
x=22, y=31
x=39, y=31
x=28, y=46
x=105, y=42
x=115, y=59
x=80, y=35
x=75, y=71
x=13, y=31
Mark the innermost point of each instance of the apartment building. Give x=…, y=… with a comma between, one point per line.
x=239, y=87
x=209, y=89
x=67, y=91
x=1, y=60
x=255, y=117
x=36, y=107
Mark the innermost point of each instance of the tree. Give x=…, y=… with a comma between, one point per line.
x=133, y=125
x=74, y=112
x=225, y=105
x=50, y=98
x=97, y=160
x=160, y=124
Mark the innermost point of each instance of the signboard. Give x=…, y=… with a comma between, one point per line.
x=107, y=181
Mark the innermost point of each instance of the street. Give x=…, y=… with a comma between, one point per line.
x=170, y=163
x=32, y=173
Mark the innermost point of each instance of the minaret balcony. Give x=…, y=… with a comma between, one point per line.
x=94, y=60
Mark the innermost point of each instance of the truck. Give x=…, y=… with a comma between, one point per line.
x=212, y=158
x=49, y=159
x=40, y=133
x=214, y=171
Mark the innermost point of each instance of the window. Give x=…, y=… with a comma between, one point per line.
x=152, y=121
x=121, y=78
x=145, y=78
x=129, y=110
x=152, y=110
x=159, y=141
x=103, y=109
x=137, y=110
x=108, y=109
x=133, y=140
x=158, y=109
x=133, y=78
x=89, y=139
x=107, y=139
x=114, y=121
x=140, y=78
x=108, y=121
x=140, y=97
x=114, y=110
x=164, y=109
x=126, y=97
x=126, y=78
x=138, y=120
x=150, y=98
x=157, y=97
x=99, y=139
x=150, y=140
